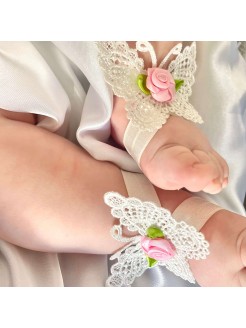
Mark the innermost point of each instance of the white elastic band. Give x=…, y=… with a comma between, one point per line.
x=135, y=141
x=195, y=211
x=139, y=186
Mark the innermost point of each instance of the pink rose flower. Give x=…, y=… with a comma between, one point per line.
x=161, y=84
x=159, y=249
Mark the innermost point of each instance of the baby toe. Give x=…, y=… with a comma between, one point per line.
x=214, y=187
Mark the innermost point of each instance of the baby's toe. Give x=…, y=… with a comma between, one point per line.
x=221, y=181
x=224, y=167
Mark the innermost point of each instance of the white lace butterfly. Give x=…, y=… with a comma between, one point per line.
x=122, y=67
x=138, y=216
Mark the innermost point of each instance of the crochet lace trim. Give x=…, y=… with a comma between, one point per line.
x=138, y=216
x=122, y=66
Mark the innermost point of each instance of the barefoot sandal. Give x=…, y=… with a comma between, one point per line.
x=151, y=95
x=161, y=238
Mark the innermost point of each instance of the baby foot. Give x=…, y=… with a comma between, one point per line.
x=226, y=265
x=178, y=156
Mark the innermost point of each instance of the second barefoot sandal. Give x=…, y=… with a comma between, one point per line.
x=151, y=95
x=161, y=238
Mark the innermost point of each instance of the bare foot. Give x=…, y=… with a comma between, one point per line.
x=178, y=156
x=226, y=265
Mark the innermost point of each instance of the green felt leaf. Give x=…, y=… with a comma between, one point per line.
x=178, y=84
x=151, y=262
x=154, y=232
x=141, y=81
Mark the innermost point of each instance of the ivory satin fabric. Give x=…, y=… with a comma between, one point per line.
x=63, y=84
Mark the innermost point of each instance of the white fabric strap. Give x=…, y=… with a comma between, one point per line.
x=139, y=186
x=136, y=140
x=195, y=211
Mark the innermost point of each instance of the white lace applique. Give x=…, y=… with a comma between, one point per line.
x=122, y=66
x=139, y=216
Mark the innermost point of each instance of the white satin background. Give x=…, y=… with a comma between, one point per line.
x=63, y=84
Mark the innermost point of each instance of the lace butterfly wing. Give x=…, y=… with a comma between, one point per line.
x=121, y=66
x=180, y=267
x=137, y=215
x=188, y=241
x=131, y=263
x=183, y=67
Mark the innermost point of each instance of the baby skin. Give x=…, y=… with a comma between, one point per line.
x=36, y=211
x=179, y=155
x=52, y=200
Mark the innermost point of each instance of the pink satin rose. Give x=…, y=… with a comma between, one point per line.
x=161, y=84
x=159, y=249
